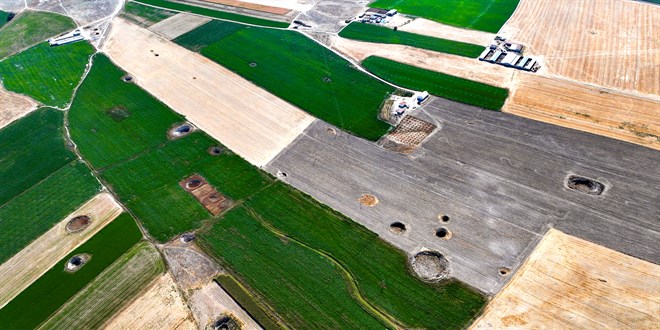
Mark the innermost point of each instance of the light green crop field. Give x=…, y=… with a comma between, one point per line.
x=304, y=73
x=45, y=296
x=31, y=149
x=483, y=15
x=144, y=15
x=439, y=84
x=302, y=258
x=115, y=287
x=214, y=13
x=30, y=28
x=380, y=34
x=36, y=210
x=112, y=120
x=47, y=74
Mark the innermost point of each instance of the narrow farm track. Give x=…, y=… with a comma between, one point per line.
x=354, y=289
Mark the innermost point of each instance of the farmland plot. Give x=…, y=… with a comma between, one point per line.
x=36, y=303
x=47, y=74
x=109, y=291
x=30, y=28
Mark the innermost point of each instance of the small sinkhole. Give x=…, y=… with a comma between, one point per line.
x=584, y=185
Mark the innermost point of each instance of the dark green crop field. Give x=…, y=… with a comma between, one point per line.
x=144, y=15
x=29, y=28
x=31, y=149
x=3, y=17
x=39, y=208
x=207, y=34
x=379, y=34
x=439, y=84
x=306, y=74
x=247, y=302
x=483, y=15
x=47, y=74
x=294, y=272
x=214, y=13
x=112, y=120
x=41, y=299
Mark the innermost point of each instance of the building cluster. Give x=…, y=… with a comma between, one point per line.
x=67, y=38
x=508, y=54
x=377, y=15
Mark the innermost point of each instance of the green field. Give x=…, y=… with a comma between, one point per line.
x=379, y=34
x=144, y=15
x=247, y=302
x=214, y=13
x=207, y=34
x=38, y=209
x=439, y=84
x=31, y=149
x=483, y=15
x=109, y=291
x=47, y=74
x=139, y=162
x=300, y=71
x=112, y=120
x=302, y=272
x=3, y=17
x=30, y=28
x=41, y=299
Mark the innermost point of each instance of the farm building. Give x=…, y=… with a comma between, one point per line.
x=66, y=38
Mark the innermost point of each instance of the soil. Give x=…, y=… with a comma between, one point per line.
x=14, y=106
x=206, y=194
x=215, y=151
x=210, y=302
x=252, y=6
x=190, y=267
x=408, y=135
x=177, y=25
x=219, y=102
x=78, y=223
x=430, y=266
x=225, y=322
x=368, y=200
x=571, y=283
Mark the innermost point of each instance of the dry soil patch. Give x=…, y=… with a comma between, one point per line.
x=14, y=106
x=177, y=25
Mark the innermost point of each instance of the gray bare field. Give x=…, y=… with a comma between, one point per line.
x=499, y=178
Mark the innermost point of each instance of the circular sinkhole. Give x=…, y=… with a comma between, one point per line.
x=398, y=227
x=253, y=64
x=368, y=200
x=193, y=183
x=225, y=322
x=327, y=79
x=443, y=233
x=180, y=130
x=443, y=217
x=76, y=262
x=584, y=185
x=78, y=223
x=187, y=237
x=331, y=131
x=215, y=151
x=504, y=271
x=430, y=266
x=127, y=78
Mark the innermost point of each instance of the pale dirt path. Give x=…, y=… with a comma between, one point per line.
x=434, y=29
x=615, y=44
x=619, y=115
x=177, y=25
x=250, y=121
x=208, y=302
x=14, y=106
x=570, y=283
x=160, y=307
x=34, y=260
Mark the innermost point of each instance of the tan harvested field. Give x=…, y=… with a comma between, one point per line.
x=611, y=43
x=161, y=307
x=177, y=25
x=253, y=6
x=569, y=283
x=450, y=64
x=52, y=246
x=553, y=100
x=250, y=121
x=14, y=106
x=586, y=108
x=210, y=301
x=439, y=30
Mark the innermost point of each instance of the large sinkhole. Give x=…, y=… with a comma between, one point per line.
x=584, y=185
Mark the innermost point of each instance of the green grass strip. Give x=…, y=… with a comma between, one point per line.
x=483, y=15
x=31, y=149
x=306, y=74
x=35, y=211
x=380, y=34
x=214, y=13
x=47, y=74
x=29, y=28
x=439, y=84
x=110, y=291
x=247, y=302
x=41, y=299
